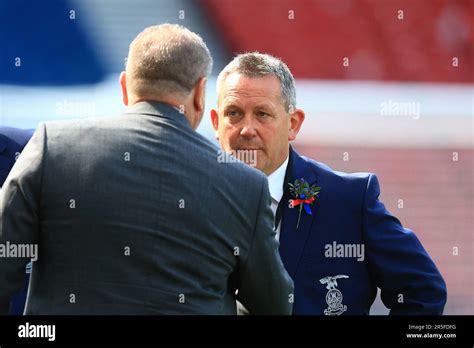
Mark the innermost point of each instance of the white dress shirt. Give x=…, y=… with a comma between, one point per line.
x=275, y=184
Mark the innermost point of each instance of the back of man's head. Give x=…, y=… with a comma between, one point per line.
x=166, y=59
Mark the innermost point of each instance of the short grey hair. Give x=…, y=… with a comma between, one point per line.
x=166, y=58
x=255, y=64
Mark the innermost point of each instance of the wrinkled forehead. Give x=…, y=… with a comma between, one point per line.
x=238, y=87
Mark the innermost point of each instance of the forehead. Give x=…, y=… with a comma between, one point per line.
x=238, y=86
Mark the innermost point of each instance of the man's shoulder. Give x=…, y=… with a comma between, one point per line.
x=17, y=136
x=83, y=124
x=325, y=170
x=202, y=149
x=87, y=130
x=227, y=164
x=343, y=183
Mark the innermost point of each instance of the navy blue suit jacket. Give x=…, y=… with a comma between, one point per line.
x=12, y=142
x=348, y=212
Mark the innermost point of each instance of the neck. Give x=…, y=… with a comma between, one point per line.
x=178, y=103
x=278, y=165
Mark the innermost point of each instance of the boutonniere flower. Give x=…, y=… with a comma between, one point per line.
x=303, y=196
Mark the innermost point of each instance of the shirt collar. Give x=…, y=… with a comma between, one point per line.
x=275, y=181
x=159, y=109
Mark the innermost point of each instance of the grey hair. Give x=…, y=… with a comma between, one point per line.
x=167, y=58
x=255, y=64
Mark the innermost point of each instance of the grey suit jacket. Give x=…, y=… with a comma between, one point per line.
x=136, y=214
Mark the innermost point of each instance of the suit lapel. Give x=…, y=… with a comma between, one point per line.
x=293, y=240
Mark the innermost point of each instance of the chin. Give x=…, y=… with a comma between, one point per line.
x=260, y=164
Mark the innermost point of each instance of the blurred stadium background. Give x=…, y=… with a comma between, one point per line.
x=352, y=59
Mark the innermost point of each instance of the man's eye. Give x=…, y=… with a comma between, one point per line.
x=232, y=113
x=262, y=114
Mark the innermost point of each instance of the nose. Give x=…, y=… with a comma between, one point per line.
x=248, y=130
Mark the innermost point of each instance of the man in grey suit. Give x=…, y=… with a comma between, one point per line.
x=137, y=214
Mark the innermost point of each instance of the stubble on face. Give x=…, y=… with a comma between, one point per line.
x=253, y=117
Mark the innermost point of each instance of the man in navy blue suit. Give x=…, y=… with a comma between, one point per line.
x=12, y=142
x=337, y=240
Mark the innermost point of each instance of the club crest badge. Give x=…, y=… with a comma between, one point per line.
x=334, y=296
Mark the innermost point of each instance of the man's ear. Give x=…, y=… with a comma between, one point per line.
x=123, y=85
x=215, y=122
x=296, y=121
x=199, y=94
